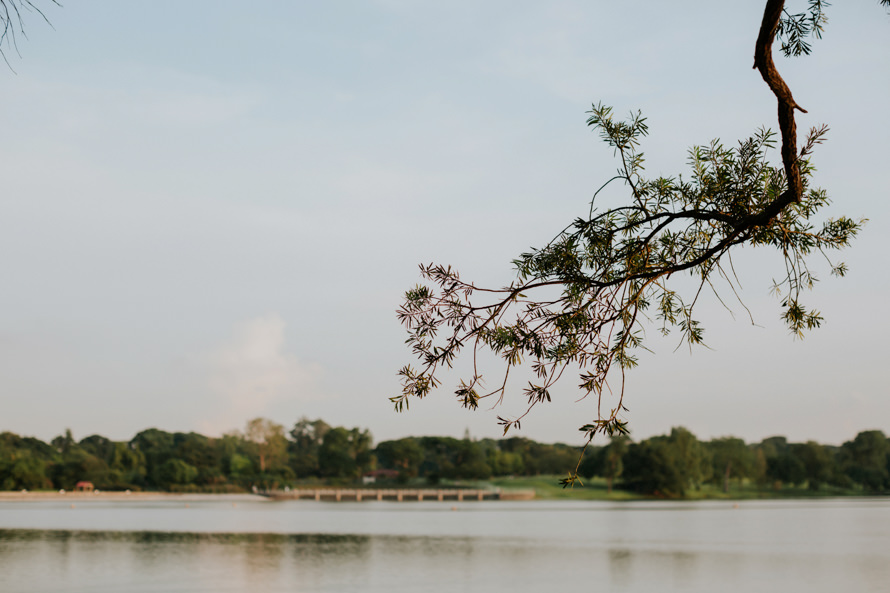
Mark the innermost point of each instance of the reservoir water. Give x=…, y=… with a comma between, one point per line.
x=239, y=544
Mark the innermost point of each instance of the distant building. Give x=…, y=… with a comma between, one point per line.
x=382, y=474
x=84, y=486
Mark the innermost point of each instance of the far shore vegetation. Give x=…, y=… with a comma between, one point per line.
x=312, y=454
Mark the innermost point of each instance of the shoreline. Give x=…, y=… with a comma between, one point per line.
x=318, y=494
x=329, y=494
x=7, y=496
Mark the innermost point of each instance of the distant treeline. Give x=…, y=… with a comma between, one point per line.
x=265, y=456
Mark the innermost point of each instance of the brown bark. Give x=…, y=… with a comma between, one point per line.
x=763, y=61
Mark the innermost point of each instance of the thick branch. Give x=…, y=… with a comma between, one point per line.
x=763, y=61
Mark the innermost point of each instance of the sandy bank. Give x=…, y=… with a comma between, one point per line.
x=29, y=496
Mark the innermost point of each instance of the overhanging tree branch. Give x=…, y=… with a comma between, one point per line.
x=614, y=268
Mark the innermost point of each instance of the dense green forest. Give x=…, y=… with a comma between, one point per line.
x=265, y=455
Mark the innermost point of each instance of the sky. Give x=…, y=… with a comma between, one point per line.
x=211, y=210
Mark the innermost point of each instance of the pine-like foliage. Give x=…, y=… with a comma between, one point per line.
x=582, y=301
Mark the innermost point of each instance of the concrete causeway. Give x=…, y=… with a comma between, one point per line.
x=397, y=494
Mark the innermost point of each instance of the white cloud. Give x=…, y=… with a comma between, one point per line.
x=252, y=371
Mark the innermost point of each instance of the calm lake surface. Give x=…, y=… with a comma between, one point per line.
x=244, y=544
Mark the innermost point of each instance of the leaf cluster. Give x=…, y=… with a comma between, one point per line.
x=583, y=300
x=794, y=28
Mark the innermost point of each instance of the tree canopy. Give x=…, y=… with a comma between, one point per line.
x=583, y=300
x=672, y=465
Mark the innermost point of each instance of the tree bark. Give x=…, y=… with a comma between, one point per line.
x=763, y=62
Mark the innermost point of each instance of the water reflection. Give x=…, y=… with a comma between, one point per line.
x=821, y=547
x=33, y=560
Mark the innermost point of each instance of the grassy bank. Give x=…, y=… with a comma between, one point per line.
x=548, y=488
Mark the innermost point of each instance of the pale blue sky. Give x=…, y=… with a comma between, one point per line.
x=210, y=211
